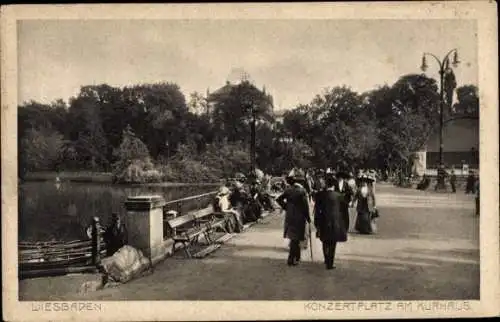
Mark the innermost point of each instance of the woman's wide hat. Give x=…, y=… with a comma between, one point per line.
x=240, y=176
x=366, y=176
x=330, y=173
x=296, y=174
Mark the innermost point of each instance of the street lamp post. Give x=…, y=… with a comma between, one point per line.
x=287, y=141
x=443, y=67
x=249, y=106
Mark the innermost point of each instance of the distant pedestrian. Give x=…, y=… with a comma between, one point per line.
x=441, y=178
x=470, y=186
x=346, y=193
x=366, y=206
x=453, y=181
x=295, y=201
x=328, y=221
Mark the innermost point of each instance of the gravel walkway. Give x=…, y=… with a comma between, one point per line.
x=420, y=253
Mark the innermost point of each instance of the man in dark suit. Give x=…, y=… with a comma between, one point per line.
x=328, y=220
x=116, y=235
x=295, y=201
x=346, y=194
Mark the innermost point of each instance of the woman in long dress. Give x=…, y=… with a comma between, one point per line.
x=366, y=207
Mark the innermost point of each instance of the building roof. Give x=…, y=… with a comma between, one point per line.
x=221, y=91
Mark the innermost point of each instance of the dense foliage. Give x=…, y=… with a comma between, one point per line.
x=149, y=132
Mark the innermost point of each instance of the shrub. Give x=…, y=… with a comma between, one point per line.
x=188, y=171
x=137, y=171
x=134, y=164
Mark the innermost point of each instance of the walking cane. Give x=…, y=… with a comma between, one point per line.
x=311, y=243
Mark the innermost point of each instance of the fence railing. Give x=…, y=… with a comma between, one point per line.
x=56, y=257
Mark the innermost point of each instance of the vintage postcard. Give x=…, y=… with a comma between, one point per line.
x=266, y=161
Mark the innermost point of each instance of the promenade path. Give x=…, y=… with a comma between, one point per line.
x=427, y=248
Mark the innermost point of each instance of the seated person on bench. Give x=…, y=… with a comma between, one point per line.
x=263, y=197
x=221, y=201
x=238, y=199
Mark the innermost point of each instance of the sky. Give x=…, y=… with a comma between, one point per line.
x=293, y=59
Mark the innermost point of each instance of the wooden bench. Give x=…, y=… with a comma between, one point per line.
x=188, y=231
x=214, y=220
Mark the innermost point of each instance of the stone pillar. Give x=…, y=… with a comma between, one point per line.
x=144, y=222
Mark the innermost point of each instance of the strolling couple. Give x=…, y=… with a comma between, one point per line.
x=328, y=219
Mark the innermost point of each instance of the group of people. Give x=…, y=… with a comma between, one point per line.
x=471, y=184
x=115, y=234
x=329, y=195
x=245, y=197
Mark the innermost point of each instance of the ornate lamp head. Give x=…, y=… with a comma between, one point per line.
x=424, y=64
x=455, y=59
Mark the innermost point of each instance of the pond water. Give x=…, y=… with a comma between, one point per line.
x=49, y=211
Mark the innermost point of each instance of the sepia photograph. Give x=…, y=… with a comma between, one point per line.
x=330, y=161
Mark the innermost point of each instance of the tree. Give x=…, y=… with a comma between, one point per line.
x=40, y=150
x=86, y=129
x=365, y=130
x=331, y=126
x=134, y=163
x=299, y=123
x=265, y=138
x=468, y=101
x=131, y=148
x=415, y=113
x=379, y=105
x=233, y=107
x=416, y=93
x=40, y=135
x=226, y=158
x=197, y=104
x=34, y=115
x=114, y=114
x=164, y=120
x=130, y=127
x=293, y=154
